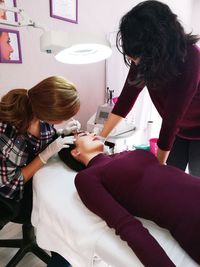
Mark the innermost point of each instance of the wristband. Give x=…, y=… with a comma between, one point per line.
x=43, y=161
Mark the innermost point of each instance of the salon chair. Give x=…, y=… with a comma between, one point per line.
x=27, y=243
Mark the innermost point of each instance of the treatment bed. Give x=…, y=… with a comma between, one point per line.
x=64, y=225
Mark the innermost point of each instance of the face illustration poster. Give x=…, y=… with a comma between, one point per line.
x=10, y=49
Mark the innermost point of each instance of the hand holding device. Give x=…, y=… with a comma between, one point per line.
x=55, y=147
x=72, y=126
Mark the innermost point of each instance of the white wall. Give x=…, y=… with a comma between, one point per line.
x=97, y=16
x=196, y=16
x=94, y=15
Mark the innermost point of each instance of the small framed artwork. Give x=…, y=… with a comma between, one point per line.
x=8, y=15
x=10, y=49
x=65, y=10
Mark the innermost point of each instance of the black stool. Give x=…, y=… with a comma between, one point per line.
x=27, y=243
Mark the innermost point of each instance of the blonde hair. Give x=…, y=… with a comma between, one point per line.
x=53, y=99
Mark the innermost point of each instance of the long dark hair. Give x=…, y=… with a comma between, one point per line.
x=153, y=33
x=69, y=160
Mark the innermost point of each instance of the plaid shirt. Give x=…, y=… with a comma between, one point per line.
x=16, y=151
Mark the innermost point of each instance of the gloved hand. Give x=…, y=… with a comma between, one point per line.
x=70, y=127
x=55, y=147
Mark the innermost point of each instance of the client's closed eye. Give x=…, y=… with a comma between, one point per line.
x=80, y=134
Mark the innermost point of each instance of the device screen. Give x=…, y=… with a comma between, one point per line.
x=103, y=115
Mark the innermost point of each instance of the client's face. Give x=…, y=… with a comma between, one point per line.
x=88, y=142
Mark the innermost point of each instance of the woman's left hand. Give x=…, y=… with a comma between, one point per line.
x=72, y=126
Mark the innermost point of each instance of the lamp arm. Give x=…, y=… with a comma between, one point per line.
x=24, y=19
x=83, y=52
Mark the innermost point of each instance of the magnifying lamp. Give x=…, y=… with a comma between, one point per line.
x=69, y=48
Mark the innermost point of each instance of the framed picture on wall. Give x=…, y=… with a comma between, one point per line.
x=5, y=14
x=10, y=49
x=65, y=10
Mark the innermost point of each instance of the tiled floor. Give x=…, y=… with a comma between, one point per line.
x=12, y=230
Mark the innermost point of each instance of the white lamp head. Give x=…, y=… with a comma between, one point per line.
x=75, y=49
x=84, y=53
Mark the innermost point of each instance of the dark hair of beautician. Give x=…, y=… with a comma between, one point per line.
x=165, y=59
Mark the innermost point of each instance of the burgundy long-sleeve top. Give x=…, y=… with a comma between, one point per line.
x=132, y=184
x=178, y=101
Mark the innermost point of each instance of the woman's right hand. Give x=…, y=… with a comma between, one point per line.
x=55, y=147
x=110, y=124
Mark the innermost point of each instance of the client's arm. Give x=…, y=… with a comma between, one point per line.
x=98, y=200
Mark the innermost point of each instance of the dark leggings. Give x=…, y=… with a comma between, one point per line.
x=26, y=204
x=185, y=152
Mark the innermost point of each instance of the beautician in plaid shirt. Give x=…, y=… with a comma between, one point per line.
x=28, y=138
x=26, y=118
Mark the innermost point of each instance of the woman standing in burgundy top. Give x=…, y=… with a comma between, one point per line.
x=164, y=58
x=133, y=183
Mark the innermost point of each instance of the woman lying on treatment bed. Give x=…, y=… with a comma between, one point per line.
x=133, y=183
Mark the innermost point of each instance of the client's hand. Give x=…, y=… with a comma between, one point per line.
x=55, y=147
x=70, y=127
